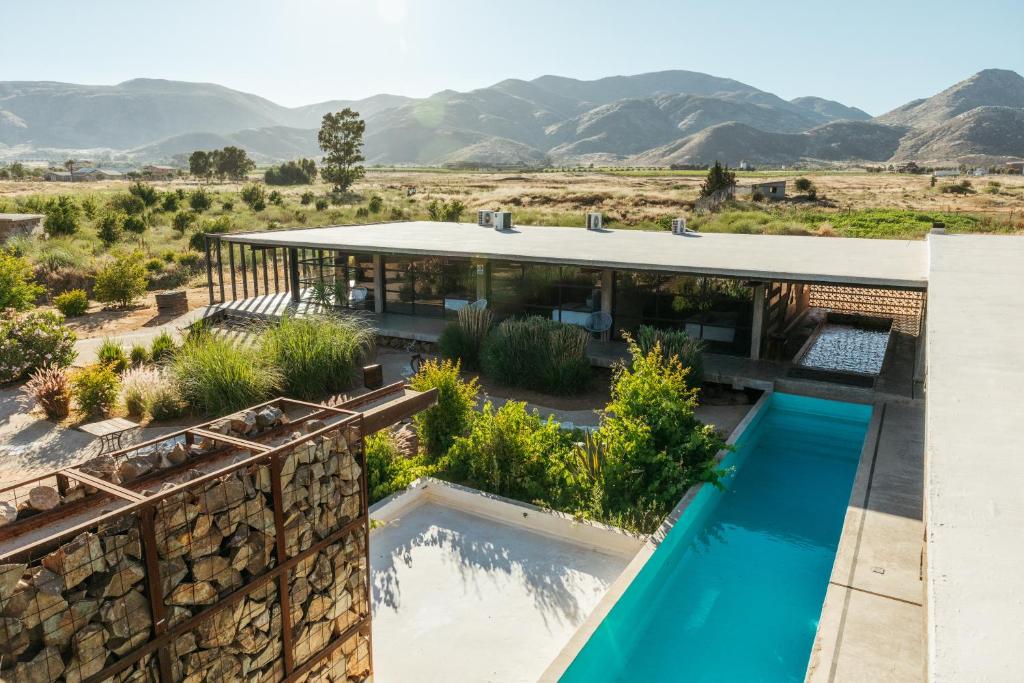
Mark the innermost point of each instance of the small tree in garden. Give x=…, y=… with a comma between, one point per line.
x=17, y=289
x=200, y=200
x=122, y=281
x=61, y=216
x=341, y=139
x=110, y=227
x=451, y=417
x=96, y=389
x=719, y=177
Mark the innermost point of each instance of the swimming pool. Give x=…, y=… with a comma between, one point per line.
x=734, y=591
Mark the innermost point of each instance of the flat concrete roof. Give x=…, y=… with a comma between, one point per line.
x=975, y=458
x=880, y=263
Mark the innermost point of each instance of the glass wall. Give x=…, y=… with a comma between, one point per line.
x=716, y=310
x=564, y=293
x=431, y=286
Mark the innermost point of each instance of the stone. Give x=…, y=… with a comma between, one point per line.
x=78, y=560
x=221, y=426
x=205, y=545
x=268, y=654
x=321, y=576
x=244, y=422
x=126, y=574
x=184, y=644
x=318, y=608
x=8, y=513
x=176, y=614
x=90, y=654
x=310, y=426
x=269, y=416
x=59, y=628
x=118, y=546
x=135, y=467
x=193, y=593
x=103, y=466
x=176, y=455
x=33, y=606
x=45, y=667
x=252, y=639
x=311, y=640
x=218, y=629
x=221, y=495
x=172, y=572
x=222, y=669
x=126, y=616
x=122, y=646
x=208, y=568
x=43, y=498
x=46, y=581
x=13, y=638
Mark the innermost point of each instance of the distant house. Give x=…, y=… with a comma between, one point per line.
x=1015, y=166
x=82, y=175
x=771, y=190
x=12, y=224
x=159, y=172
x=946, y=173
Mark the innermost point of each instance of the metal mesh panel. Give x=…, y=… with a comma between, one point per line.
x=904, y=307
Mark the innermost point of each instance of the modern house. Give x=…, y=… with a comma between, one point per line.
x=924, y=581
x=81, y=175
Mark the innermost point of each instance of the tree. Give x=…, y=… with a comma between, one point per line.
x=61, y=216
x=255, y=196
x=122, y=281
x=110, y=226
x=341, y=139
x=147, y=193
x=301, y=172
x=233, y=162
x=199, y=164
x=17, y=288
x=719, y=178
x=803, y=184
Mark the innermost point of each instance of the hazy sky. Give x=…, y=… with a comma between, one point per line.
x=868, y=53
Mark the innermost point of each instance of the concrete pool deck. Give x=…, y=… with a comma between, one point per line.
x=472, y=587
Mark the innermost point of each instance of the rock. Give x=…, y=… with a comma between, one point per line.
x=221, y=426
x=126, y=574
x=208, y=568
x=43, y=498
x=176, y=614
x=252, y=639
x=321, y=576
x=135, y=467
x=193, y=593
x=244, y=422
x=46, y=581
x=45, y=667
x=126, y=616
x=122, y=646
x=10, y=575
x=103, y=466
x=78, y=560
x=117, y=546
x=184, y=644
x=176, y=455
x=8, y=513
x=219, y=629
x=90, y=654
x=221, y=495
x=311, y=640
x=172, y=572
x=13, y=638
x=58, y=629
x=33, y=606
x=205, y=545
x=318, y=608
x=269, y=416
x=310, y=426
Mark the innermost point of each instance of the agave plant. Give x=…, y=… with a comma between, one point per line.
x=50, y=389
x=322, y=294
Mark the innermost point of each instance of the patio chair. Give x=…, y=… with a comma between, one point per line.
x=357, y=295
x=478, y=305
x=599, y=322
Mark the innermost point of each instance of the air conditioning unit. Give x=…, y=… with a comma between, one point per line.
x=678, y=226
x=502, y=220
x=593, y=221
x=485, y=218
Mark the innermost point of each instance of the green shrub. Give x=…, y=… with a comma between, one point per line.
x=154, y=265
x=136, y=224
x=144, y=191
x=445, y=211
x=17, y=288
x=169, y=202
x=216, y=226
x=375, y=204
x=674, y=343
x=439, y=425
x=150, y=391
x=183, y=221
x=317, y=355
x=275, y=198
x=512, y=452
x=200, y=200
x=72, y=303
x=255, y=196
x=537, y=353
x=61, y=216
x=463, y=340
x=162, y=347
x=362, y=212
x=189, y=260
x=216, y=376
x=321, y=204
x=112, y=353
x=50, y=389
x=96, y=389
x=803, y=184
x=387, y=469
x=110, y=227
x=33, y=340
x=127, y=203
x=139, y=354
x=122, y=280
x=307, y=198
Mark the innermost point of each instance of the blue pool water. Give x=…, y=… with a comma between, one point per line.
x=735, y=590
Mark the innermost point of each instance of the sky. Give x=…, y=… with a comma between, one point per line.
x=870, y=54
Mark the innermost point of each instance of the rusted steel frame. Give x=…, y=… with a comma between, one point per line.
x=329, y=650
x=233, y=440
x=365, y=486
x=380, y=417
x=227, y=601
x=25, y=482
x=13, y=529
x=372, y=395
x=151, y=442
x=154, y=584
x=319, y=406
x=102, y=485
x=283, y=596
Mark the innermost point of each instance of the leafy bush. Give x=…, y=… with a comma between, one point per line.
x=183, y=221
x=189, y=260
x=128, y=204
x=227, y=205
x=464, y=339
x=387, y=469
x=375, y=204
x=255, y=196
x=122, y=280
x=144, y=191
x=674, y=343
x=439, y=425
x=275, y=198
x=362, y=212
x=803, y=184
x=72, y=303
x=112, y=353
x=136, y=224
x=162, y=347
x=200, y=200
x=512, y=452
x=301, y=172
x=445, y=211
x=216, y=226
x=216, y=376
x=110, y=227
x=537, y=353
x=17, y=288
x=33, y=340
x=50, y=390
x=154, y=265
x=396, y=214
x=96, y=389
x=307, y=198
x=316, y=355
x=321, y=204
x=61, y=216
x=169, y=202
x=139, y=354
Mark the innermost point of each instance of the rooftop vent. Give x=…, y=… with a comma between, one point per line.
x=593, y=221
x=679, y=226
x=502, y=220
x=485, y=218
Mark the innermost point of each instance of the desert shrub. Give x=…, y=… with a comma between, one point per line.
x=803, y=184
x=50, y=389
x=227, y=205
x=216, y=376
x=439, y=425
x=375, y=204
x=674, y=343
x=396, y=214
x=164, y=401
x=362, y=212
x=445, y=211
x=170, y=202
x=110, y=227
x=255, y=196
x=183, y=221
x=136, y=224
x=388, y=469
x=61, y=216
x=189, y=260
x=275, y=198
x=200, y=200
x=138, y=354
x=307, y=198
x=162, y=347
x=122, y=280
x=321, y=204
x=218, y=225
x=135, y=385
x=464, y=339
x=537, y=353
x=17, y=288
x=72, y=303
x=112, y=353
x=512, y=452
x=127, y=203
x=96, y=390
x=655, y=448
x=316, y=355
x=33, y=340
x=154, y=265
x=144, y=191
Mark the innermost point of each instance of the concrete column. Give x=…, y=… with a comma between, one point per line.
x=757, y=326
x=607, y=285
x=378, y=283
x=293, y=273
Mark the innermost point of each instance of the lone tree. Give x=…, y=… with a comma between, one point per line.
x=719, y=178
x=199, y=164
x=341, y=139
x=234, y=163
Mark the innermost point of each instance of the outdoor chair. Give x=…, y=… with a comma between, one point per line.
x=478, y=305
x=599, y=322
x=357, y=295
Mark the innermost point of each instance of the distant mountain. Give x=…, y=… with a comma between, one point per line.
x=654, y=118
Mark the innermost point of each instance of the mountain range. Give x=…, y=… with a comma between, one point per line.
x=653, y=119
